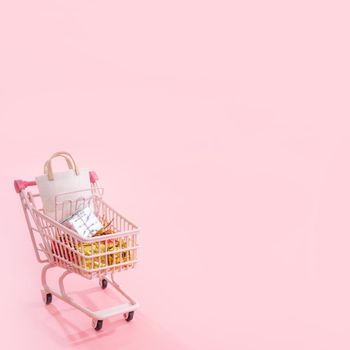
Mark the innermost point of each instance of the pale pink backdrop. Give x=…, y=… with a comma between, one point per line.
x=220, y=127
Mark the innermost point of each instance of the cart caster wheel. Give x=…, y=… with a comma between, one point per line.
x=47, y=297
x=103, y=283
x=129, y=316
x=97, y=324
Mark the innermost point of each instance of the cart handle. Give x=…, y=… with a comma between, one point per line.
x=21, y=185
x=93, y=177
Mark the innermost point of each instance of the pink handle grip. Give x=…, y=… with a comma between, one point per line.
x=21, y=185
x=93, y=177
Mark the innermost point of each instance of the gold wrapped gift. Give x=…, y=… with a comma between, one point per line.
x=108, y=248
x=113, y=258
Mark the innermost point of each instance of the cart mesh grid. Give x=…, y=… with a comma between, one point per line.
x=90, y=257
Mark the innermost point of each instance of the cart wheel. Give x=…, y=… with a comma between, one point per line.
x=47, y=297
x=103, y=283
x=97, y=324
x=129, y=316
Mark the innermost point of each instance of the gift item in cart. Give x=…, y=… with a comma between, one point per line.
x=84, y=222
x=96, y=254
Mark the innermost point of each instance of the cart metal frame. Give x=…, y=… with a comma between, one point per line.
x=44, y=232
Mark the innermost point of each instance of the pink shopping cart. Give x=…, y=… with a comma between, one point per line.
x=99, y=257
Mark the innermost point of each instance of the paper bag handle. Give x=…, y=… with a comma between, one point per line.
x=70, y=162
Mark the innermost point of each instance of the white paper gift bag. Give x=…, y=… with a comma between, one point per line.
x=51, y=185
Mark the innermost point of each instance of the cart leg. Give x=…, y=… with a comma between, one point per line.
x=43, y=276
x=121, y=291
x=46, y=292
x=60, y=283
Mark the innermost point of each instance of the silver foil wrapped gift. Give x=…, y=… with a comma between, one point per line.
x=84, y=222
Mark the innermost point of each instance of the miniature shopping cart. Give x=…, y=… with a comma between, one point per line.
x=97, y=257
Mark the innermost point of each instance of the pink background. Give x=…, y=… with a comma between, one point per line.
x=221, y=128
